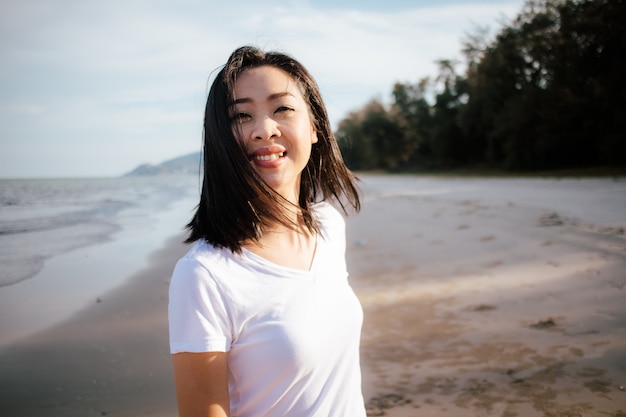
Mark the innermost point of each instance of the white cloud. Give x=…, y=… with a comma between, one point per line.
x=133, y=75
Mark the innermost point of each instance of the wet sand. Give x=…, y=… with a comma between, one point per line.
x=472, y=308
x=111, y=358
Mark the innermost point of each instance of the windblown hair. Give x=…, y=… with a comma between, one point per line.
x=235, y=202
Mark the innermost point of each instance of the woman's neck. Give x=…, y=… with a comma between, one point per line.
x=285, y=246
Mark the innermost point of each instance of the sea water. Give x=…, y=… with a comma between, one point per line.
x=64, y=242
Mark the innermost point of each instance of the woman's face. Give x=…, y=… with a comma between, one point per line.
x=274, y=121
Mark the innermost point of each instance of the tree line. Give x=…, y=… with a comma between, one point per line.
x=547, y=92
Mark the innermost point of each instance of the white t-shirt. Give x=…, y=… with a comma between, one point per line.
x=292, y=335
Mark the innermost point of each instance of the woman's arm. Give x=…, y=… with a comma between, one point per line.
x=202, y=384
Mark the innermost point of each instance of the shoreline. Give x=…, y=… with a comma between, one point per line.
x=77, y=278
x=474, y=305
x=110, y=358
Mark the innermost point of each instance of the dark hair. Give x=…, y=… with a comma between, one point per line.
x=235, y=202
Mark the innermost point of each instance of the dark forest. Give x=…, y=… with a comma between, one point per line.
x=546, y=92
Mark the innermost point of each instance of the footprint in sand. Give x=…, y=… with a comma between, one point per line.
x=482, y=307
x=546, y=324
x=551, y=219
x=377, y=405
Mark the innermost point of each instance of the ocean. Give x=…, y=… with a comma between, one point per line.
x=40, y=219
x=102, y=229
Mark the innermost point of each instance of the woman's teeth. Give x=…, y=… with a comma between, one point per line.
x=271, y=157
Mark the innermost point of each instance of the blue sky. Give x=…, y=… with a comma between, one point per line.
x=94, y=88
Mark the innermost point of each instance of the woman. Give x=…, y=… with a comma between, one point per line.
x=263, y=321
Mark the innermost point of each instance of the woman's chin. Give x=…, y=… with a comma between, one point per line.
x=284, y=185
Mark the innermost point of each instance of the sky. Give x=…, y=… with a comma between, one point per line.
x=92, y=88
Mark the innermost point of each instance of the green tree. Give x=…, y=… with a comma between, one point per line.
x=411, y=112
x=370, y=139
x=447, y=140
x=548, y=91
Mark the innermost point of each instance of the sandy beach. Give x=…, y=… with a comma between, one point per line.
x=481, y=298
x=491, y=307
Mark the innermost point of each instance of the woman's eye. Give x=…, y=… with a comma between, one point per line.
x=284, y=109
x=240, y=117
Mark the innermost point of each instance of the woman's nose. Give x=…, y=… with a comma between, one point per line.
x=265, y=129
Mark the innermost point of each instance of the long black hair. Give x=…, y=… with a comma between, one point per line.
x=235, y=203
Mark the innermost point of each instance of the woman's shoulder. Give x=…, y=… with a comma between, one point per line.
x=202, y=259
x=326, y=212
x=331, y=223
x=201, y=251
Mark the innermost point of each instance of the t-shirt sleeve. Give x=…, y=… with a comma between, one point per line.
x=198, y=318
x=333, y=226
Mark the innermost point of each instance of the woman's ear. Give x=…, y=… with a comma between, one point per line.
x=313, y=136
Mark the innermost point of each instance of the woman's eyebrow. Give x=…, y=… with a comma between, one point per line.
x=239, y=101
x=271, y=97
x=279, y=95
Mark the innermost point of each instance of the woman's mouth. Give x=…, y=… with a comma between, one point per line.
x=268, y=157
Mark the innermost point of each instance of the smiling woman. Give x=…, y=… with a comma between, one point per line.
x=275, y=126
x=262, y=317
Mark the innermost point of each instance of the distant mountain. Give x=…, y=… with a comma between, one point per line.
x=186, y=164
